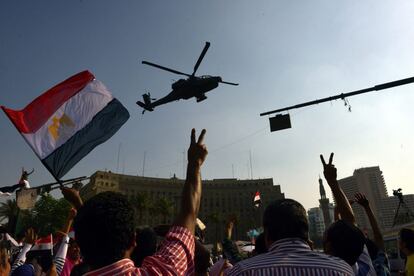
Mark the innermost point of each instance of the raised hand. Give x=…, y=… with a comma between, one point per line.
x=190, y=201
x=197, y=151
x=72, y=196
x=362, y=200
x=343, y=205
x=229, y=228
x=4, y=262
x=30, y=236
x=329, y=170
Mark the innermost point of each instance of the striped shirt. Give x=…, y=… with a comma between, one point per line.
x=175, y=257
x=363, y=266
x=292, y=257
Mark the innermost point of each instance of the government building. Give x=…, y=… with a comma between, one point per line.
x=157, y=200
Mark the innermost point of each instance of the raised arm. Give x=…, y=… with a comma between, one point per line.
x=29, y=240
x=229, y=247
x=363, y=201
x=344, y=208
x=176, y=253
x=72, y=196
x=60, y=257
x=191, y=195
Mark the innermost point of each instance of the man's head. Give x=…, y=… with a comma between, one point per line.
x=146, y=239
x=260, y=245
x=345, y=241
x=406, y=243
x=285, y=218
x=73, y=252
x=104, y=229
x=201, y=259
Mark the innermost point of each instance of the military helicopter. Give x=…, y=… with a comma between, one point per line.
x=185, y=89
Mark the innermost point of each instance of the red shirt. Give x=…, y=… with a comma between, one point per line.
x=67, y=267
x=175, y=257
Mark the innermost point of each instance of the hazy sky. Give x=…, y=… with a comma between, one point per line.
x=281, y=52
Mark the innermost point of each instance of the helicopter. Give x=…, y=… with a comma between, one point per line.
x=193, y=86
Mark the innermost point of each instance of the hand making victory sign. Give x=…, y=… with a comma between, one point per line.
x=329, y=170
x=190, y=204
x=342, y=203
x=197, y=151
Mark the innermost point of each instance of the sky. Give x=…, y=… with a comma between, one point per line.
x=281, y=52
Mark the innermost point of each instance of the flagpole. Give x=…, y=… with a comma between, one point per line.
x=50, y=171
x=64, y=182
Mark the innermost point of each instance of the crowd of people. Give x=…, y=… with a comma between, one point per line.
x=107, y=242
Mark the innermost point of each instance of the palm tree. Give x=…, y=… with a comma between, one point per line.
x=164, y=207
x=153, y=212
x=9, y=211
x=215, y=218
x=141, y=203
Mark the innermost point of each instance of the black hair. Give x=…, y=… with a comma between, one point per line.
x=146, y=245
x=201, y=259
x=260, y=245
x=407, y=237
x=346, y=241
x=285, y=218
x=104, y=229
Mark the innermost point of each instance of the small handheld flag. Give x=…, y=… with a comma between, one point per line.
x=68, y=121
x=42, y=250
x=256, y=200
x=45, y=243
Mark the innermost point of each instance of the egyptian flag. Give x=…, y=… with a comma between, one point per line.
x=256, y=200
x=45, y=243
x=42, y=250
x=68, y=121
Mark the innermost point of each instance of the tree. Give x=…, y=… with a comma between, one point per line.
x=162, y=207
x=141, y=204
x=9, y=211
x=215, y=218
x=153, y=211
x=47, y=217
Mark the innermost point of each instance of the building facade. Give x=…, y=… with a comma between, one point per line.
x=316, y=223
x=370, y=182
x=221, y=199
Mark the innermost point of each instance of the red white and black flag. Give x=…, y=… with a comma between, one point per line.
x=256, y=200
x=68, y=121
x=45, y=243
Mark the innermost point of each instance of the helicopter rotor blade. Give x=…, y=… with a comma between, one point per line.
x=231, y=83
x=165, y=68
x=200, y=58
